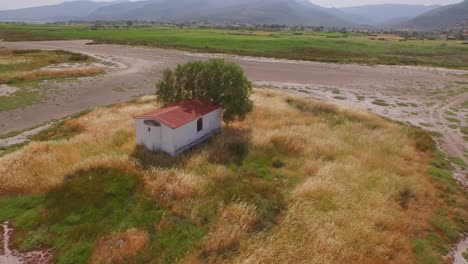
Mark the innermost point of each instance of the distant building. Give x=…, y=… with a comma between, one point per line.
x=178, y=127
x=465, y=35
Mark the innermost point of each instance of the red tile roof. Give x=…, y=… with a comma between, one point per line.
x=181, y=113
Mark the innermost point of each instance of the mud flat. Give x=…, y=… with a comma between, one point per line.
x=9, y=256
x=6, y=90
x=457, y=254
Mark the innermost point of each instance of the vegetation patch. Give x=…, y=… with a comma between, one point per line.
x=64, y=129
x=23, y=97
x=380, y=102
x=24, y=69
x=403, y=104
x=464, y=130
x=89, y=205
x=28, y=65
x=283, y=185
x=458, y=161
x=452, y=120
x=450, y=113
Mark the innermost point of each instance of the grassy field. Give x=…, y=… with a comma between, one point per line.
x=23, y=71
x=327, y=47
x=295, y=182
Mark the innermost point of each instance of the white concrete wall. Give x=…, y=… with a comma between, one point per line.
x=187, y=133
x=149, y=139
x=158, y=138
x=170, y=140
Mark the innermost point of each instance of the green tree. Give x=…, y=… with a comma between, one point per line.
x=215, y=80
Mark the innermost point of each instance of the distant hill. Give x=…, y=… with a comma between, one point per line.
x=51, y=13
x=440, y=18
x=383, y=14
x=231, y=11
x=290, y=12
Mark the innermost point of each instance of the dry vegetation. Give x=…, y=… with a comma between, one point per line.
x=116, y=248
x=47, y=74
x=296, y=182
x=24, y=71
x=28, y=65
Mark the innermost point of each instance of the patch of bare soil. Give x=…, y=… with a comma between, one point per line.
x=6, y=90
x=457, y=255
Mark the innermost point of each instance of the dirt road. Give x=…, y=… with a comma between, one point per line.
x=418, y=95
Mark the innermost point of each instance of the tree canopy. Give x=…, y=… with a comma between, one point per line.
x=215, y=80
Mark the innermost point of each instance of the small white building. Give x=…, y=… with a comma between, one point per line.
x=178, y=127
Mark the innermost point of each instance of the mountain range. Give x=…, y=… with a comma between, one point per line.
x=443, y=17
x=290, y=12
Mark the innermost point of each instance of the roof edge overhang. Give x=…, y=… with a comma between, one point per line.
x=170, y=126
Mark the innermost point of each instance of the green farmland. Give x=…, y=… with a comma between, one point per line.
x=326, y=47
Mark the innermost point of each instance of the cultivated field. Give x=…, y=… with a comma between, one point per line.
x=325, y=47
x=297, y=180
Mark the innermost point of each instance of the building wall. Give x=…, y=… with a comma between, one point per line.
x=170, y=140
x=157, y=138
x=187, y=133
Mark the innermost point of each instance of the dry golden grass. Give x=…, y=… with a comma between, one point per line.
x=55, y=73
x=224, y=239
x=344, y=211
x=173, y=188
x=107, y=140
x=118, y=248
x=352, y=171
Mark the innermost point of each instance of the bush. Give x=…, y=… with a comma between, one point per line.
x=215, y=80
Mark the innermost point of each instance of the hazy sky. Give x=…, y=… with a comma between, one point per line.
x=14, y=4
